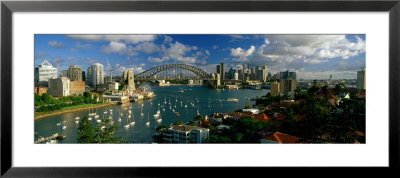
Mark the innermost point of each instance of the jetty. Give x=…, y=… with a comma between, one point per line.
x=46, y=139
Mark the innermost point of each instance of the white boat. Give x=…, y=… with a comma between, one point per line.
x=96, y=116
x=59, y=123
x=51, y=142
x=105, y=112
x=119, y=119
x=156, y=115
x=76, y=118
x=103, y=127
x=141, y=111
x=129, y=116
x=130, y=111
x=64, y=127
x=185, y=106
x=148, y=120
x=98, y=121
x=127, y=123
x=90, y=118
x=76, y=122
x=133, y=122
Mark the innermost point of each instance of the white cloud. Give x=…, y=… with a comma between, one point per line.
x=120, y=48
x=241, y=52
x=156, y=59
x=147, y=47
x=56, y=44
x=129, y=39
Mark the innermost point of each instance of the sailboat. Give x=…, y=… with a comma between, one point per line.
x=148, y=119
x=141, y=111
x=159, y=119
x=165, y=100
x=133, y=122
x=157, y=114
x=127, y=123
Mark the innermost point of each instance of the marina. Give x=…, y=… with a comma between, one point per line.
x=137, y=120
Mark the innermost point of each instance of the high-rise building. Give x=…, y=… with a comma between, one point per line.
x=286, y=75
x=275, y=88
x=59, y=87
x=218, y=69
x=262, y=73
x=244, y=68
x=129, y=79
x=361, y=79
x=236, y=76
x=222, y=71
x=218, y=79
x=287, y=85
x=231, y=74
x=74, y=73
x=44, y=72
x=95, y=75
x=83, y=76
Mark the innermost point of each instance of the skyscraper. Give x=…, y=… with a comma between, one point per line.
x=74, y=73
x=244, y=68
x=286, y=74
x=95, y=75
x=218, y=69
x=44, y=72
x=222, y=71
x=361, y=79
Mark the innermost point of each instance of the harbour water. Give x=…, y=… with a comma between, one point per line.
x=205, y=101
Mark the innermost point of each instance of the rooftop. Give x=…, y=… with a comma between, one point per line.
x=282, y=138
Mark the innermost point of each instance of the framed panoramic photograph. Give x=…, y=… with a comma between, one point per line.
x=135, y=88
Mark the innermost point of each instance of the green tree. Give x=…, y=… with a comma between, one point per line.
x=86, y=131
x=198, y=118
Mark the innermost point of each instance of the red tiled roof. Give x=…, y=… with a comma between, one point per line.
x=262, y=117
x=282, y=138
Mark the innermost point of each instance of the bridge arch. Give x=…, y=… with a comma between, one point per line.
x=155, y=70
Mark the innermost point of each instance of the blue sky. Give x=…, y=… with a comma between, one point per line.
x=311, y=56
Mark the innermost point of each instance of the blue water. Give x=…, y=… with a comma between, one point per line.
x=205, y=100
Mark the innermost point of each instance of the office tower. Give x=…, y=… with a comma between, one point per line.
x=275, y=88
x=361, y=79
x=286, y=74
x=218, y=69
x=231, y=73
x=74, y=73
x=95, y=75
x=218, y=79
x=244, y=68
x=287, y=85
x=222, y=71
x=236, y=76
x=129, y=79
x=44, y=72
x=83, y=76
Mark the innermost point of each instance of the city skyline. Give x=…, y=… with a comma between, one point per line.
x=311, y=56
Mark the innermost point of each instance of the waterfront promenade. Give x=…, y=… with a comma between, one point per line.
x=54, y=113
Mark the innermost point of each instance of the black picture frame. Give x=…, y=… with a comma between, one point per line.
x=8, y=7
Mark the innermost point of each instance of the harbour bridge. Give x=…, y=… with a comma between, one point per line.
x=174, y=71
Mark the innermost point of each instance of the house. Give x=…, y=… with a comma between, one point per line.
x=186, y=134
x=279, y=138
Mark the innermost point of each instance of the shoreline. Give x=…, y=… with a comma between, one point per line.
x=73, y=110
